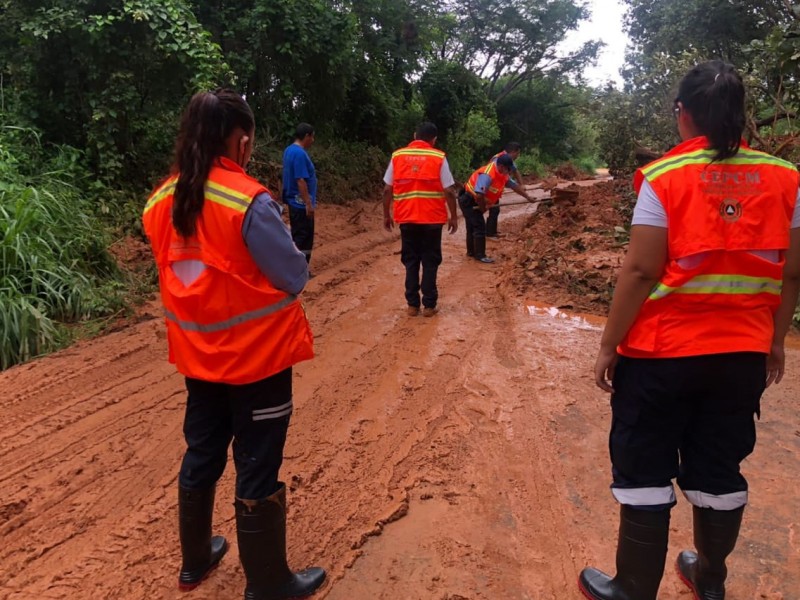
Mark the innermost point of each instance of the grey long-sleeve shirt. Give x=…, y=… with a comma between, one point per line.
x=271, y=246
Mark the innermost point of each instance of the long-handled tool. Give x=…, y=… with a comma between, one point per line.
x=555, y=194
x=542, y=201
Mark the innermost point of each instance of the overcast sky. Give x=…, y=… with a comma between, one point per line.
x=605, y=25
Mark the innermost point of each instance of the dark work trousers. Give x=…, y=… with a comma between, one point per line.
x=255, y=416
x=421, y=244
x=302, y=230
x=473, y=219
x=491, y=221
x=687, y=418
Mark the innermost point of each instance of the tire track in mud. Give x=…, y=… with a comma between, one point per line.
x=457, y=457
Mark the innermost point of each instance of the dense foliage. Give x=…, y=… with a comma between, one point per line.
x=54, y=266
x=90, y=93
x=760, y=37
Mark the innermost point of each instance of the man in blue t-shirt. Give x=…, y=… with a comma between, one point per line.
x=300, y=188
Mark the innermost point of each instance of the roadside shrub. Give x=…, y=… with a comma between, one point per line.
x=471, y=144
x=529, y=163
x=54, y=268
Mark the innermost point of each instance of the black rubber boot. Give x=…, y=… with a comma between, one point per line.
x=201, y=553
x=641, y=553
x=470, y=245
x=261, y=530
x=715, y=535
x=480, y=250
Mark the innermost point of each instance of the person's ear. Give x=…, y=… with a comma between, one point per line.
x=243, y=141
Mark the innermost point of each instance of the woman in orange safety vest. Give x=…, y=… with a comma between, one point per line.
x=695, y=334
x=229, y=275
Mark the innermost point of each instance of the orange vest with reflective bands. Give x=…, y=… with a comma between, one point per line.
x=230, y=325
x=724, y=298
x=497, y=185
x=417, y=188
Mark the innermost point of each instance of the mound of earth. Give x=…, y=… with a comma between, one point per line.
x=568, y=253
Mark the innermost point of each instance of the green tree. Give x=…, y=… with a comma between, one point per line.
x=516, y=41
x=107, y=75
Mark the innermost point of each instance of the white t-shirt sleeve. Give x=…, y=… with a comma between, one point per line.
x=648, y=209
x=796, y=214
x=388, y=178
x=445, y=175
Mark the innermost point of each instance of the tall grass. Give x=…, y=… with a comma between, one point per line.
x=54, y=268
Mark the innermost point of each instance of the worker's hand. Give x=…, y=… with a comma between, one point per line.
x=310, y=211
x=604, y=368
x=776, y=360
x=388, y=223
x=452, y=224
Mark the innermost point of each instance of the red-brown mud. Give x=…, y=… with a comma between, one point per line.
x=449, y=458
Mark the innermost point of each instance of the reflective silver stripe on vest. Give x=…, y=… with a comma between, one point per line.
x=215, y=189
x=730, y=501
x=275, y=412
x=232, y=322
x=649, y=496
x=720, y=284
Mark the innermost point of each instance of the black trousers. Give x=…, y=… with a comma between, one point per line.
x=302, y=230
x=255, y=416
x=473, y=218
x=491, y=221
x=687, y=418
x=421, y=244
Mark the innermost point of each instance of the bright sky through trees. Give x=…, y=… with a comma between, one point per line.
x=605, y=25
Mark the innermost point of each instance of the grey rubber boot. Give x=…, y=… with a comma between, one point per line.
x=480, y=250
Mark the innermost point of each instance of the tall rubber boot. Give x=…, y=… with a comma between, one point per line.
x=480, y=250
x=261, y=530
x=470, y=245
x=201, y=553
x=641, y=553
x=715, y=535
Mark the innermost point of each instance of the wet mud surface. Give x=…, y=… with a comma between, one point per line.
x=458, y=457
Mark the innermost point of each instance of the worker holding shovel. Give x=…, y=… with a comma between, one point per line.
x=483, y=190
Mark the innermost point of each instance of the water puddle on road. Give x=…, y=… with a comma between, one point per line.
x=574, y=320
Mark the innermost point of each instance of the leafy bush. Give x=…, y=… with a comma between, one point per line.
x=345, y=170
x=54, y=268
x=472, y=144
x=530, y=163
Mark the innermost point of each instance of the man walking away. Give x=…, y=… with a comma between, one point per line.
x=419, y=183
x=300, y=188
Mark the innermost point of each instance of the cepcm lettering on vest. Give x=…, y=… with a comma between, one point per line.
x=733, y=178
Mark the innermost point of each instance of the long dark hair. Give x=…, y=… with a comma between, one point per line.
x=713, y=94
x=206, y=125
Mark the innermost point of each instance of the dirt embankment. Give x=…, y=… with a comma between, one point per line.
x=459, y=457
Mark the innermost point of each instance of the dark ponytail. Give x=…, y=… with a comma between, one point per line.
x=205, y=127
x=713, y=94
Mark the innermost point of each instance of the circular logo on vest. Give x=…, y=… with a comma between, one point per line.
x=730, y=210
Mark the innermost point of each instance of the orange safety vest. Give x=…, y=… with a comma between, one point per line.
x=417, y=188
x=718, y=211
x=231, y=325
x=496, y=186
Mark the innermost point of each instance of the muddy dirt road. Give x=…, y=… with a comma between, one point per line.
x=459, y=457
